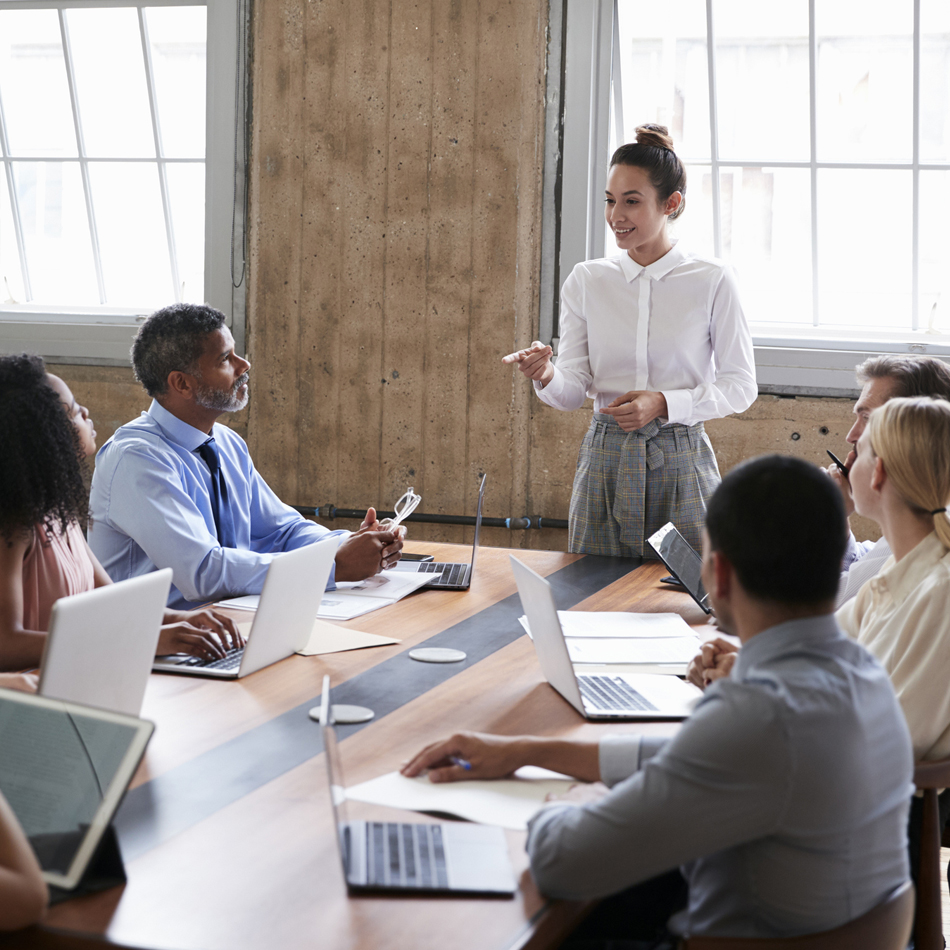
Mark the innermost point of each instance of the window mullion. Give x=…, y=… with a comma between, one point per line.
x=159, y=154
x=81, y=149
x=14, y=206
x=915, y=226
x=713, y=129
x=813, y=155
x=617, y=78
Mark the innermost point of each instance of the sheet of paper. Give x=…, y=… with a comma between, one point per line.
x=248, y=602
x=360, y=598
x=633, y=650
x=508, y=803
x=329, y=638
x=618, y=623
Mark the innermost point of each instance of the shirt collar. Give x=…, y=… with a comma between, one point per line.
x=901, y=577
x=655, y=271
x=784, y=638
x=188, y=437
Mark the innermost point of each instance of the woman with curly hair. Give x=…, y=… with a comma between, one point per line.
x=46, y=437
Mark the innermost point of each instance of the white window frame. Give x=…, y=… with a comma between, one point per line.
x=582, y=56
x=103, y=336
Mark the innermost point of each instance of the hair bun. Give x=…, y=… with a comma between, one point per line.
x=656, y=135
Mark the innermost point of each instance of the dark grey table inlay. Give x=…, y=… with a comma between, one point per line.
x=167, y=805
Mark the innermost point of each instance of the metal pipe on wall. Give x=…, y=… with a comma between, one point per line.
x=331, y=512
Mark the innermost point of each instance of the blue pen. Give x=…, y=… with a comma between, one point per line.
x=463, y=763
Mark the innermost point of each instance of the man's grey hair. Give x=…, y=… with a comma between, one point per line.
x=912, y=375
x=171, y=339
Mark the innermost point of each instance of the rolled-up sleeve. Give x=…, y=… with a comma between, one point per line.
x=722, y=780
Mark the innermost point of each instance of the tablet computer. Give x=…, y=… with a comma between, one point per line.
x=64, y=770
x=681, y=561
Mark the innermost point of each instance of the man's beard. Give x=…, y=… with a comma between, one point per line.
x=220, y=400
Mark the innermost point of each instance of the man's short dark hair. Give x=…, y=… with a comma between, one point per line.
x=912, y=375
x=171, y=339
x=780, y=522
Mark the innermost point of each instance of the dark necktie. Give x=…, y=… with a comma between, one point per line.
x=220, y=503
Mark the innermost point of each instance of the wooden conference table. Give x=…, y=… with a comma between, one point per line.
x=227, y=832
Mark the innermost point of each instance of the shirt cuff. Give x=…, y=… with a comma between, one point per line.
x=619, y=758
x=342, y=535
x=554, y=389
x=851, y=553
x=679, y=405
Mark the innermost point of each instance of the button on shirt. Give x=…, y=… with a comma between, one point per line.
x=151, y=507
x=784, y=797
x=675, y=326
x=903, y=617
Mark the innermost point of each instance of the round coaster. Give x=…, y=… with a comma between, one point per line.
x=437, y=655
x=345, y=715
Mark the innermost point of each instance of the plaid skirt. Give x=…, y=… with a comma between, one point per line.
x=629, y=484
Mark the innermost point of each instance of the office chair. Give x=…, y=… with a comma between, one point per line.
x=930, y=777
x=885, y=927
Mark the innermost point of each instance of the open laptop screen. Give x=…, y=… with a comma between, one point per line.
x=683, y=562
x=64, y=769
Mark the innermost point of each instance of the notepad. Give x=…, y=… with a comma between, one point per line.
x=507, y=803
x=618, y=623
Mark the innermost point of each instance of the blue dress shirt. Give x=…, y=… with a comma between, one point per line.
x=151, y=508
x=784, y=797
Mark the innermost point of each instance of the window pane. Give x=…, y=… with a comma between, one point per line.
x=107, y=59
x=766, y=224
x=33, y=84
x=865, y=263
x=665, y=72
x=762, y=79
x=177, y=40
x=56, y=233
x=934, y=251
x=11, y=275
x=131, y=228
x=695, y=226
x=186, y=193
x=865, y=80
x=934, y=81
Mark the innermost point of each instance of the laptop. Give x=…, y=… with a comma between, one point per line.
x=101, y=644
x=412, y=857
x=595, y=695
x=682, y=562
x=449, y=576
x=295, y=584
x=64, y=770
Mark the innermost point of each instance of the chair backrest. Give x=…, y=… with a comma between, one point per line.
x=885, y=927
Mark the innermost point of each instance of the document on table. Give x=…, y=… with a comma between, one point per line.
x=508, y=803
x=618, y=623
x=353, y=598
x=666, y=650
x=329, y=638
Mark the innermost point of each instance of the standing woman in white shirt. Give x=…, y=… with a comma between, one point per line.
x=658, y=338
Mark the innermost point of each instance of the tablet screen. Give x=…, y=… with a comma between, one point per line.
x=683, y=562
x=59, y=764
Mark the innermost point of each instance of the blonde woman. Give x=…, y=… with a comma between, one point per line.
x=901, y=479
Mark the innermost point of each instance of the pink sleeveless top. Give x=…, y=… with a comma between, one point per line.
x=55, y=565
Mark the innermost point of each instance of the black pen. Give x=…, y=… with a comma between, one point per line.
x=841, y=466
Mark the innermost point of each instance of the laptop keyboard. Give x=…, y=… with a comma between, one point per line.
x=230, y=661
x=452, y=574
x=409, y=855
x=611, y=693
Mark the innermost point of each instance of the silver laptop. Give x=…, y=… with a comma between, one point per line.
x=595, y=696
x=457, y=857
x=64, y=770
x=101, y=644
x=449, y=576
x=295, y=584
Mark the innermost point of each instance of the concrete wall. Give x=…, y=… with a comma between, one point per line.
x=395, y=227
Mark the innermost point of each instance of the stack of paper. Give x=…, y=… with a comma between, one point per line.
x=617, y=637
x=353, y=598
x=508, y=803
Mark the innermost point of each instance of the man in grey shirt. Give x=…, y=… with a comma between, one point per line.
x=784, y=798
